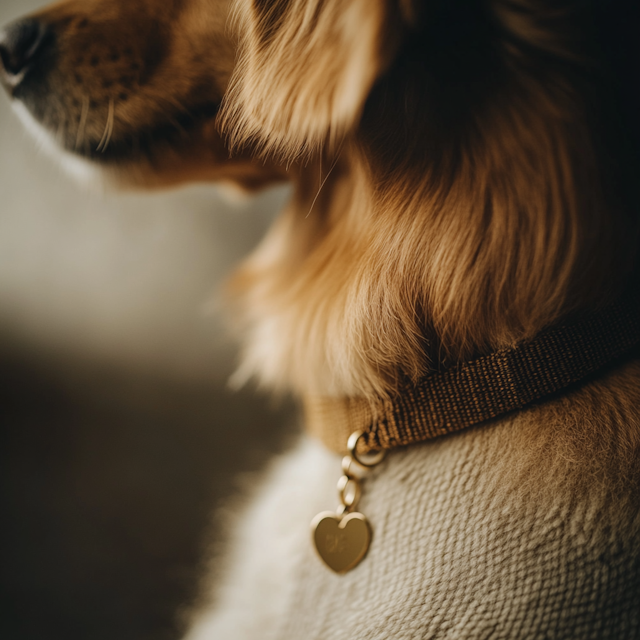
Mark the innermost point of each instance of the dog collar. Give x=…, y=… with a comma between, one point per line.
x=468, y=394
x=473, y=392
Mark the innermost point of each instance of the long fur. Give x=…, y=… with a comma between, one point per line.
x=463, y=170
x=464, y=176
x=480, y=199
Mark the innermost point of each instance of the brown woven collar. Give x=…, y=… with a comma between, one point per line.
x=488, y=387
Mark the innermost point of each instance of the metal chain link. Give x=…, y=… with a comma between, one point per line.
x=355, y=468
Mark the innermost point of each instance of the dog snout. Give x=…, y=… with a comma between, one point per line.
x=21, y=44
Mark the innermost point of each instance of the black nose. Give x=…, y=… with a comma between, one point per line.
x=20, y=42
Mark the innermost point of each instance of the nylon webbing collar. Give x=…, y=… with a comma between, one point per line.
x=488, y=387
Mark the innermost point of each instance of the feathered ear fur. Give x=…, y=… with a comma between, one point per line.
x=305, y=69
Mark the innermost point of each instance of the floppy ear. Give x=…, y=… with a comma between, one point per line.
x=305, y=69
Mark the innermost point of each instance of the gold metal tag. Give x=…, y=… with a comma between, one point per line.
x=341, y=541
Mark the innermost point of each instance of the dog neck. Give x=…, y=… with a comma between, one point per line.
x=474, y=392
x=353, y=292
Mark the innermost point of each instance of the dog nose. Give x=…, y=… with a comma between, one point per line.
x=20, y=42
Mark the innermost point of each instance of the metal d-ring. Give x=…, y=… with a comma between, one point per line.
x=370, y=460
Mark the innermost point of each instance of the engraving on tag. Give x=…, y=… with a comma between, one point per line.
x=341, y=542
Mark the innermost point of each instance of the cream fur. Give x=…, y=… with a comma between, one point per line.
x=464, y=176
x=504, y=531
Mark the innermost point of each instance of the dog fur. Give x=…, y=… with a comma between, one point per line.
x=465, y=176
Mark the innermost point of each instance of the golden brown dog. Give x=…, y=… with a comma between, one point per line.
x=465, y=176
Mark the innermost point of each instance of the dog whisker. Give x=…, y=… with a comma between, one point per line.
x=83, y=122
x=108, y=130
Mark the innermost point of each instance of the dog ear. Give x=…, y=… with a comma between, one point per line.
x=305, y=68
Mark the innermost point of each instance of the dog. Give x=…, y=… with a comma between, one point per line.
x=465, y=178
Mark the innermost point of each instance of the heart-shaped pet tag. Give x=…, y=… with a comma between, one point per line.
x=341, y=542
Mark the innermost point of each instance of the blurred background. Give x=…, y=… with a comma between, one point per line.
x=119, y=437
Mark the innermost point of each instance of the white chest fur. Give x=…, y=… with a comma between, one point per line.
x=475, y=536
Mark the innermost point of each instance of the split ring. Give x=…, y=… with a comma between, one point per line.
x=369, y=460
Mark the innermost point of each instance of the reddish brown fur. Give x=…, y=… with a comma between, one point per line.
x=464, y=174
x=132, y=86
x=458, y=217
x=460, y=170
